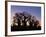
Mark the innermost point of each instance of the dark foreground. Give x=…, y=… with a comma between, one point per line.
x=24, y=28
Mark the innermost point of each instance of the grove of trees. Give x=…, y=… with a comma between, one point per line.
x=24, y=21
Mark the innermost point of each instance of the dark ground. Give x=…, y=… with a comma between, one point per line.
x=24, y=28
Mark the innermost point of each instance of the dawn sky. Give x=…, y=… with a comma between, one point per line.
x=34, y=11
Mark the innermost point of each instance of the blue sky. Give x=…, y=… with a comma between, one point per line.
x=33, y=10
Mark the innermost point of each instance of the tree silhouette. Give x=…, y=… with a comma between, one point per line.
x=25, y=21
